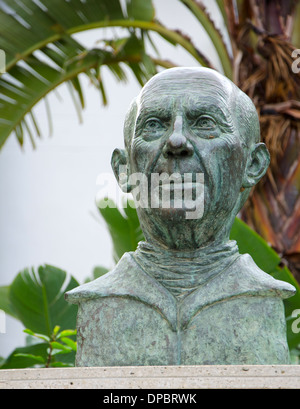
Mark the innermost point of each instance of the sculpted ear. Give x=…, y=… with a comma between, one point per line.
x=119, y=165
x=257, y=165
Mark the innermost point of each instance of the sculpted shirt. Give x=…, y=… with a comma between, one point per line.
x=157, y=307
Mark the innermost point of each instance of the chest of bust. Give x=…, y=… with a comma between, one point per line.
x=111, y=333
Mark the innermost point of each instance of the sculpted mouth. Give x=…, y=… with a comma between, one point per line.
x=178, y=180
x=180, y=186
x=185, y=187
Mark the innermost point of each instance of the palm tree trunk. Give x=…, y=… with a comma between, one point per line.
x=263, y=69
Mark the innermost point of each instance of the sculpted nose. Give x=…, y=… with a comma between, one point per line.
x=177, y=144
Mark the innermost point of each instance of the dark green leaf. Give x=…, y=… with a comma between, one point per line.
x=27, y=361
x=38, y=299
x=99, y=271
x=5, y=303
x=250, y=242
x=125, y=233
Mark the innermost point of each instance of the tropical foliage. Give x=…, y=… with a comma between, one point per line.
x=37, y=300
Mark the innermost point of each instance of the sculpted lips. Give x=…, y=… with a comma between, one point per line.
x=186, y=187
x=177, y=181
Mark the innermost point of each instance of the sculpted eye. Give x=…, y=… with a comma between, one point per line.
x=205, y=122
x=153, y=124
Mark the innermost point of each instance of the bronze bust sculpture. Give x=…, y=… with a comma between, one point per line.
x=186, y=296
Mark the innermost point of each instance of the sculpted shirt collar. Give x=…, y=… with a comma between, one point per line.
x=234, y=276
x=182, y=272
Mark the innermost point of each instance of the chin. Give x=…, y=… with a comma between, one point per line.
x=176, y=214
x=170, y=214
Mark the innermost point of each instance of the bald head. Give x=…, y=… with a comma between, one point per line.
x=194, y=121
x=206, y=82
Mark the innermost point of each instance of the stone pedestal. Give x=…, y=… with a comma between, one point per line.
x=155, y=377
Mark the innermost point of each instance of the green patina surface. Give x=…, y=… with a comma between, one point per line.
x=186, y=296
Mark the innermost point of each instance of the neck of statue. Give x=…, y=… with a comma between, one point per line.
x=185, y=235
x=183, y=271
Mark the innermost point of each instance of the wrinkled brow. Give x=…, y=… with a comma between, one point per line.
x=162, y=112
x=208, y=105
x=161, y=107
x=198, y=108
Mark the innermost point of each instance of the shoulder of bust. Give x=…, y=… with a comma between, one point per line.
x=248, y=277
x=113, y=281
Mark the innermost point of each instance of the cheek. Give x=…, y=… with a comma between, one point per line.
x=230, y=155
x=227, y=169
x=142, y=154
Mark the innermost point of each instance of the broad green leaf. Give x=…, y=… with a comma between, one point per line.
x=38, y=299
x=124, y=231
x=63, y=358
x=25, y=358
x=250, y=242
x=99, y=271
x=5, y=303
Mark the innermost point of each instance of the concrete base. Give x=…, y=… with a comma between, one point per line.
x=155, y=377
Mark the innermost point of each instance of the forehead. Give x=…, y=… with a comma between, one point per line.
x=191, y=92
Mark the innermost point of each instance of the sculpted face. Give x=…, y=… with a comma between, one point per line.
x=191, y=121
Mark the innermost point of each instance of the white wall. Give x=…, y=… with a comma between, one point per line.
x=47, y=207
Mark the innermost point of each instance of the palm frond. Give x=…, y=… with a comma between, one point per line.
x=41, y=52
x=29, y=82
x=200, y=12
